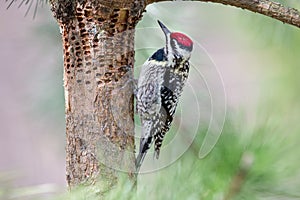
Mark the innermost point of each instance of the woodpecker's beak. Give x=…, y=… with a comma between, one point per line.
x=164, y=28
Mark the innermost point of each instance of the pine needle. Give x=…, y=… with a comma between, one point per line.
x=28, y=3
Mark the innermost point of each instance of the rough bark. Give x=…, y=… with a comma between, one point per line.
x=98, y=43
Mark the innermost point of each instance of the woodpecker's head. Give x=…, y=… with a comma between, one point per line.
x=177, y=44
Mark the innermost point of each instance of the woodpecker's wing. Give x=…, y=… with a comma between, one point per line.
x=169, y=103
x=171, y=90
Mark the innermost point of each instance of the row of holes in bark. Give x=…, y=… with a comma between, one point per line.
x=78, y=47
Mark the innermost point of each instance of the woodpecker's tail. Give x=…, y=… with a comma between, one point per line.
x=145, y=145
x=139, y=160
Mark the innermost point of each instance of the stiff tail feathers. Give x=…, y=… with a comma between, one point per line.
x=139, y=160
x=149, y=136
x=145, y=144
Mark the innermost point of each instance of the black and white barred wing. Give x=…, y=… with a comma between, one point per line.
x=169, y=103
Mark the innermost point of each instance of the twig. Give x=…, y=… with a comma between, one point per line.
x=265, y=7
x=239, y=179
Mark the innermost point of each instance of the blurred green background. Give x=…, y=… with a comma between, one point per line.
x=254, y=58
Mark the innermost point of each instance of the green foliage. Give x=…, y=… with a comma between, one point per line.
x=258, y=156
x=265, y=157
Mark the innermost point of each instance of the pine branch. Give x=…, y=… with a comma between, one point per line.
x=265, y=7
x=240, y=177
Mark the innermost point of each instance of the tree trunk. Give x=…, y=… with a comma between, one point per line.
x=98, y=43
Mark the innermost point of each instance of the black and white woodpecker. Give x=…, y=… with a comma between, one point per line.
x=160, y=85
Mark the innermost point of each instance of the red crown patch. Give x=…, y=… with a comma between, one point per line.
x=182, y=39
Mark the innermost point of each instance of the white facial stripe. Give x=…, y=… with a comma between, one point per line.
x=180, y=51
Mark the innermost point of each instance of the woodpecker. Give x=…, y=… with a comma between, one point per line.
x=159, y=87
